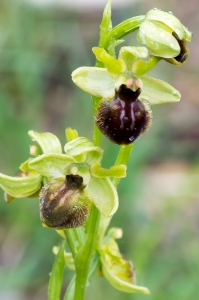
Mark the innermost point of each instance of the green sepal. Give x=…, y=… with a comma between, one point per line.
x=48, y=142
x=69, y=261
x=95, y=81
x=21, y=187
x=115, y=171
x=156, y=91
x=113, y=65
x=25, y=165
x=83, y=150
x=106, y=24
x=71, y=134
x=116, y=269
x=50, y=165
x=56, y=277
x=104, y=195
x=141, y=67
x=130, y=54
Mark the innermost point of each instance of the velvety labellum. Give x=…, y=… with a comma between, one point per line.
x=64, y=203
x=124, y=118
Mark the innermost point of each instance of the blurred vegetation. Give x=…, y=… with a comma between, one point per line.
x=39, y=48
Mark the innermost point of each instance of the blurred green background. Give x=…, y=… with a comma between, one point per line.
x=40, y=45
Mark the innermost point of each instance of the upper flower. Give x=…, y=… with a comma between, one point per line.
x=103, y=82
x=165, y=36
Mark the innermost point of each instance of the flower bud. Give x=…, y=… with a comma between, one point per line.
x=64, y=203
x=165, y=36
x=124, y=118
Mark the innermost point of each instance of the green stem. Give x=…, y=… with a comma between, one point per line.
x=83, y=258
x=122, y=29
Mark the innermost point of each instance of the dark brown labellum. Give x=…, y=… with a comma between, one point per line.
x=64, y=203
x=184, y=51
x=124, y=118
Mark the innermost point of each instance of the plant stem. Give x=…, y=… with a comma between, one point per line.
x=83, y=258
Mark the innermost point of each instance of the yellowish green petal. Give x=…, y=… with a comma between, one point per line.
x=48, y=142
x=115, y=171
x=113, y=65
x=95, y=81
x=71, y=134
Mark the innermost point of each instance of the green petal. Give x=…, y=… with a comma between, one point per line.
x=159, y=39
x=130, y=54
x=50, y=165
x=113, y=65
x=117, y=270
x=156, y=91
x=104, y=195
x=48, y=142
x=115, y=171
x=167, y=18
x=83, y=150
x=95, y=81
x=20, y=187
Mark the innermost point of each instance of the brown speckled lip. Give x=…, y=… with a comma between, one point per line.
x=124, y=118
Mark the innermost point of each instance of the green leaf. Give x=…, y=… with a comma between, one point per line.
x=113, y=65
x=115, y=171
x=104, y=195
x=50, y=165
x=83, y=150
x=117, y=270
x=95, y=81
x=71, y=134
x=56, y=277
x=20, y=187
x=106, y=23
x=48, y=142
x=156, y=91
x=130, y=54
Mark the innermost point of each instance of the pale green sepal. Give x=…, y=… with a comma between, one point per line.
x=116, y=269
x=167, y=18
x=95, y=81
x=156, y=91
x=106, y=23
x=56, y=277
x=115, y=171
x=71, y=134
x=50, y=165
x=84, y=150
x=130, y=54
x=20, y=187
x=104, y=195
x=69, y=261
x=48, y=142
x=159, y=39
x=113, y=65
x=141, y=67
